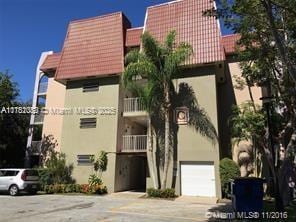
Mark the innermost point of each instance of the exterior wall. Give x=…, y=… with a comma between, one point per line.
x=225, y=100
x=242, y=95
x=230, y=95
x=191, y=145
x=90, y=141
x=55, y=98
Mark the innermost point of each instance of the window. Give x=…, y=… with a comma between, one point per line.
x=88, y=123
x=84, y=159
x=9, y=173
x=43, y=83
x=90, y=87
x=33, y=173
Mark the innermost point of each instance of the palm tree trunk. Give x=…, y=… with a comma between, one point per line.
x=150, y=156
x=166, y=139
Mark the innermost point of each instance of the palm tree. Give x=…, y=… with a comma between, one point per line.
x=159, y=64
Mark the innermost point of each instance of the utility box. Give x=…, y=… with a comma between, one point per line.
x=247, y=194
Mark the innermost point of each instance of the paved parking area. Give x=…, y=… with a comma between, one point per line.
x=86, y=208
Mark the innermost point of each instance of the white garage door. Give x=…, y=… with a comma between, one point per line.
x=198, y=180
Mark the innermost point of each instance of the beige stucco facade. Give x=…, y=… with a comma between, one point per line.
x=209, y=72
x=192, y=147
x=242, y=95
x=214, y=89
x=55, y=98
x=129, y=171
x=90, y=141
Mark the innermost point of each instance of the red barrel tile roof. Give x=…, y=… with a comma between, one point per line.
x=186, y=17
x=133, y=37
x=51, y=62
x=229, y=43
x=93, y=47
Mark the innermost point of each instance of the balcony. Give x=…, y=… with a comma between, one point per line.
x=134, y=143
x=36, y=147
x=38, y=119
x=134, y=107
x=42, y=89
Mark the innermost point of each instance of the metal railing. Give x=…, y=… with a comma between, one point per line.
x=133, y=105
x=36, y=146
x=42, y=88
x=39, y=118
x=134, y=143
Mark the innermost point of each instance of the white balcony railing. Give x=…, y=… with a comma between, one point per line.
x=133, y=105
x=36, y=146
x=134, y=143
x=42, y=89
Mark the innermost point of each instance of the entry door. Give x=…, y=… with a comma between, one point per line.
x=198, y=180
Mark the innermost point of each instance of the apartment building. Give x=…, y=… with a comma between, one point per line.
x=87, y=73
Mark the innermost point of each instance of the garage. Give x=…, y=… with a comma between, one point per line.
x=198, y=179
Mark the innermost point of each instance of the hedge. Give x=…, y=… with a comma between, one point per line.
x=165, y=193
x=229, y=170
x=75, y=188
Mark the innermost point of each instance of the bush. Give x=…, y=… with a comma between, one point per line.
x=166, y=193
x=101, y=190
x=85, y=188
x=75, y=188
x=229, y=170
x=44, y=177
x=57, y=169
x=94, y=180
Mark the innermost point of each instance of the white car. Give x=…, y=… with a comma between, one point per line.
x=16, y=180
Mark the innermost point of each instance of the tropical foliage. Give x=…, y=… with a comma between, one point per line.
x=267, y=30
x=99, y=165
x=247, y=123
x=12, y=125
x=57, y=170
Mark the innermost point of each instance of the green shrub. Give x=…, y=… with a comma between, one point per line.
x=78, y=188
x=229, y=170
x=75, y=188
x=166, y=193
x=94, y=180
x=49, y=189
x=68, y=188
x=44, y=177
x=101, y=190
x=58, y=171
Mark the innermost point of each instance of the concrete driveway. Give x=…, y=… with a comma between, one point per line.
x=86, y=208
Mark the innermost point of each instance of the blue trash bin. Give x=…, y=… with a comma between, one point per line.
x=247, y=194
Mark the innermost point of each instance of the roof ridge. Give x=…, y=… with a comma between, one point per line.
x=163, y=4
x=96, y=17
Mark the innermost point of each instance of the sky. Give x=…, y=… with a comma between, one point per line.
x=29, y=27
